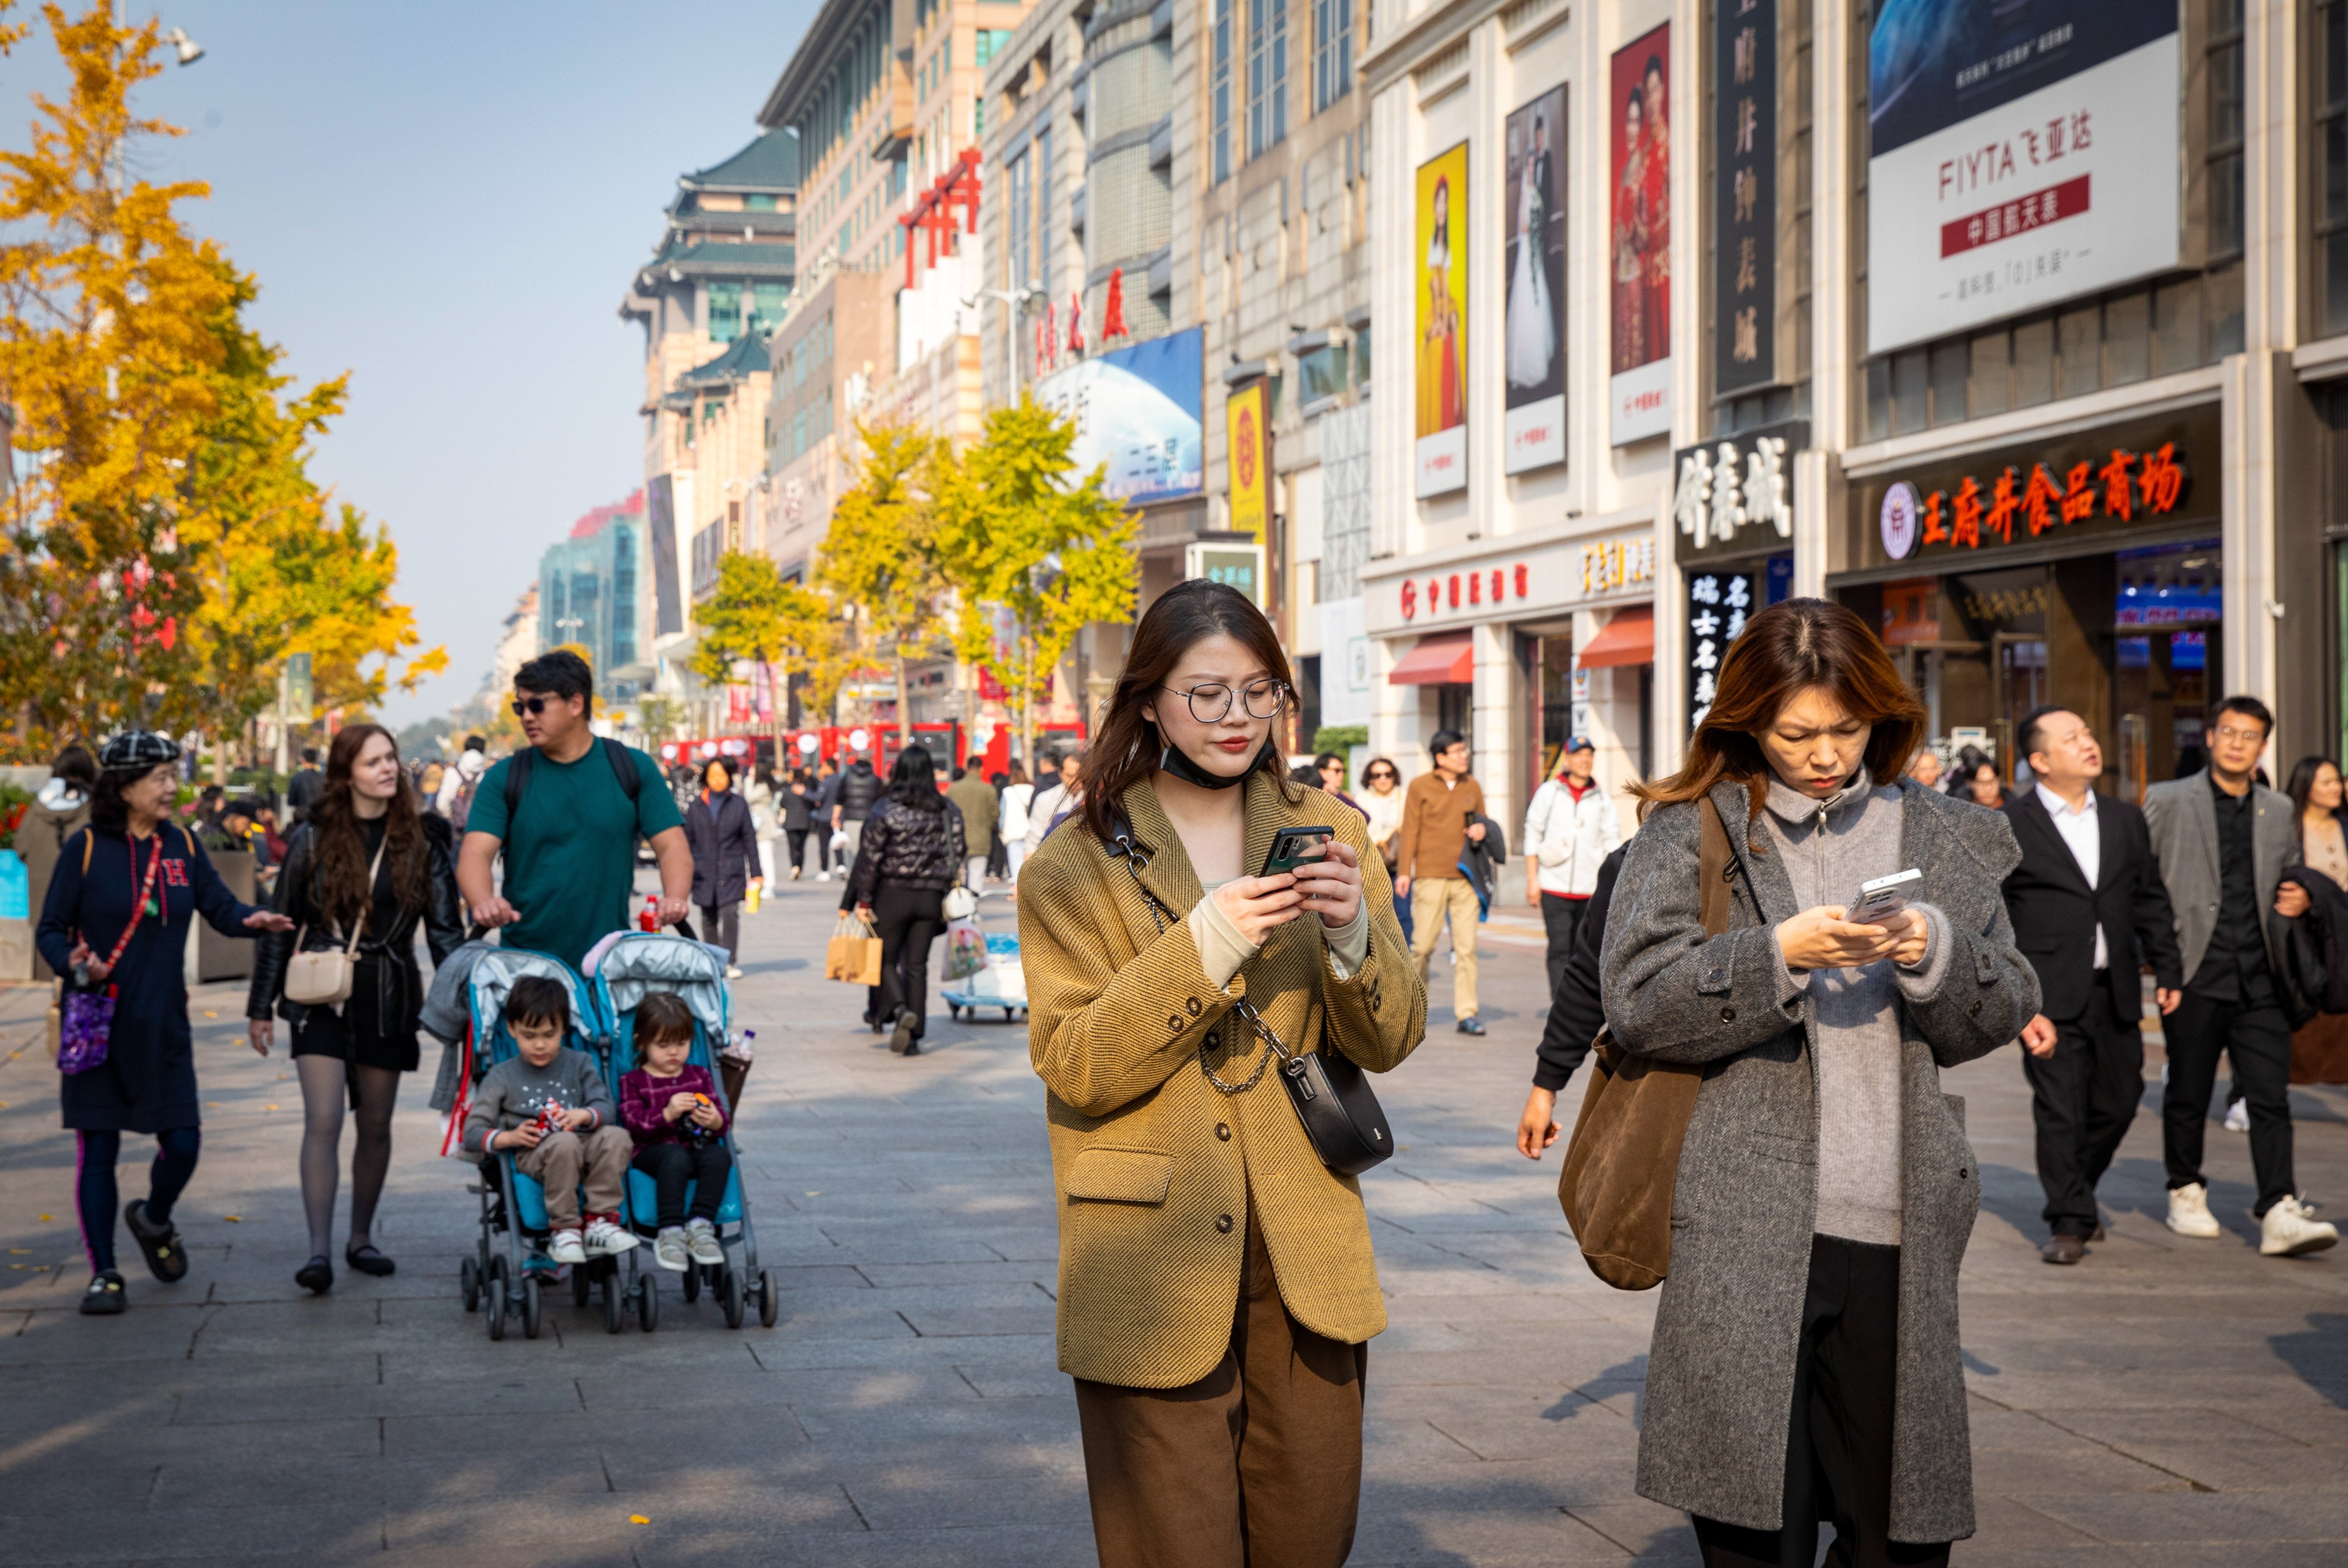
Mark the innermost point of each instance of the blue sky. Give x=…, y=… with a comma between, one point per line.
x=448, y=201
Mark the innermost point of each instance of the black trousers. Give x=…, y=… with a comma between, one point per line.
x=909, y=920
x=1839, y=1443
x=2082, y=1099
x=703, y=1162
x=1562, y=919
x=721, y=926
x=798, y=836
x=2258, y=1039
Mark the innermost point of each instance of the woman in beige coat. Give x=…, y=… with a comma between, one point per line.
x=1216, y=1287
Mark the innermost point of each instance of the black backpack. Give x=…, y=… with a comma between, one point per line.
x=518, y=766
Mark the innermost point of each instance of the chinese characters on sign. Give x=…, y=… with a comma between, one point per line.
x=2122, y=486
x=2017, y=155
x=1485, y=585
x=1611, y=563
x=1745, y=479
x=1744, y=194
x=1719, y=603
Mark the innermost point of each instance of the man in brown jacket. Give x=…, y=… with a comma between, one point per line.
x=1438, y=819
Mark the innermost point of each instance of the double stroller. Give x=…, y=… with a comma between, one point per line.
x=510, y=1266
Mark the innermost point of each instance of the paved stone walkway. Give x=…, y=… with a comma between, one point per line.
x=2169, y=1402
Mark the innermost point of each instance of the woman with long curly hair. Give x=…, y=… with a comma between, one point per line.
x=365, y=858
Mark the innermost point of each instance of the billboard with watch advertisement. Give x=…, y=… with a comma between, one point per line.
x=2022, y=151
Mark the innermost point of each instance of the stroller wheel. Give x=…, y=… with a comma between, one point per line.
x=529, y=1307
x=692, y=1285
x=494, y=1298
x=729, y=1294
x=615, y=1304
x=770, y=1299
x=647, y=1302
x=468, y=1284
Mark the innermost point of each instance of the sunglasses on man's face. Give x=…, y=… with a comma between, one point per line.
x=532, y=706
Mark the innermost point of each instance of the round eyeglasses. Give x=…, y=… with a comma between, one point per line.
x=1211, y=703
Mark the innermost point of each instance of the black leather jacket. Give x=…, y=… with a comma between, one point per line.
x=401, y=994
x=907, y=847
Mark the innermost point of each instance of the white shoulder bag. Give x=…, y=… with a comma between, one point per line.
x=324, y=978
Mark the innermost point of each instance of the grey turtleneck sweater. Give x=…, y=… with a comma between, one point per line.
x=1828, y=847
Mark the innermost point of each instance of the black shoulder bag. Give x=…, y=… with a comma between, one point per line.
x=1332, y=1095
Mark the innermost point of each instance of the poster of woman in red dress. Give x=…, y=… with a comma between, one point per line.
x=1639, y=238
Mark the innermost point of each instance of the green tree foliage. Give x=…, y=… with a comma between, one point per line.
x=755, y=615
x=1017, y=528
x=880, y=553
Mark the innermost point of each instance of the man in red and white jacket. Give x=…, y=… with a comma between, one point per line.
x=1569, y=829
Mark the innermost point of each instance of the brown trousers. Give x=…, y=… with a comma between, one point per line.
x=563, y=1160
x=1259, y=1462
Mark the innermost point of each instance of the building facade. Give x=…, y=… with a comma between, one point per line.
x=2049, y=389
x=594, y=590
x=716, y=287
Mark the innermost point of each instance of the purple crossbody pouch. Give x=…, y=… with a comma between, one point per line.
x=83, y=1028
x=85, y=1020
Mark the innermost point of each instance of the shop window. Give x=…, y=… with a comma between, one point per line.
x=1986, y=389
x=2128, y=339
x=725, y=312
x=2330, y=198
x=2224, y=54
x=1267, y=75
x=1947, y=372
x=1321, y=373
x=1219, y=94
x=1333, y=51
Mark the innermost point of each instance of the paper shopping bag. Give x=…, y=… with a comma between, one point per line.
x=853, y=954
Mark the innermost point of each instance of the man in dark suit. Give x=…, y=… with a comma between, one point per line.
x=2089, y=909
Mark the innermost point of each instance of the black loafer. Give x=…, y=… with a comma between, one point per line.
x=367, y=1260
x=165, y=1259
x=1471, y=1025
x=316, y=1276
x=2062, y=1248
x=904, y=1042
x=104, y=1298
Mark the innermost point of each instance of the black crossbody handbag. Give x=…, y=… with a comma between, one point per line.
x=1342, y=1116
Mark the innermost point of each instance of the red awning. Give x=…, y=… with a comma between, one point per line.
x=1628, y=639
x=1446, y=658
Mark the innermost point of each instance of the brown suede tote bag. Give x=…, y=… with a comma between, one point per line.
x=1624, y=1155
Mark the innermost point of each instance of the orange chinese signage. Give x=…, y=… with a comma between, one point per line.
x=2119, y=481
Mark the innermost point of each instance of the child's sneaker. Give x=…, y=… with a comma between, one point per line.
x=669, y=1250
x=605, y=1238
x=565, y=1248
x=701, y=1237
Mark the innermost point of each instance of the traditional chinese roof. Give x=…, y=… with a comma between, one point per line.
x=717, y=258
x=744, y=357
x=770, y=164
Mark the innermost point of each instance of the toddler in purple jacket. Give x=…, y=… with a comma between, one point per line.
x=673, y=1111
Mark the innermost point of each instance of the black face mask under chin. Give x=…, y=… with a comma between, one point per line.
x=1182, y=767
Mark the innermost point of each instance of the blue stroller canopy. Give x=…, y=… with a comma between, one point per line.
x=497, y=972
x=642, y=962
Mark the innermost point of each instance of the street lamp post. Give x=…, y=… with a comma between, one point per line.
x=1013, y=302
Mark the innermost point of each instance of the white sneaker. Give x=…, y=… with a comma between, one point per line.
x=2189, y=1211
x=733, y=972
x=2286, y=1231
x=2237, y=1116
x=565, y=1248
x=701, y=1237
x=606, y=1240
x=668, y=1250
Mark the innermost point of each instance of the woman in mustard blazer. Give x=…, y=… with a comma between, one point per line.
x=1217, y=1287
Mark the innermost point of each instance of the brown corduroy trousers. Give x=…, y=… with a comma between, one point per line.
x=1257, y=1463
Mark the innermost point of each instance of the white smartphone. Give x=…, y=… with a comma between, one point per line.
x=1884, y=897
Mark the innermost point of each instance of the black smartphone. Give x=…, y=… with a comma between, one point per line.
x=1291, y=847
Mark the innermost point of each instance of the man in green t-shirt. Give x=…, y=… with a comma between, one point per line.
x=569, y=844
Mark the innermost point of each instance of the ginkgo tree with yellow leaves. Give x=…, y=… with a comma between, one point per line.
x=164, y=549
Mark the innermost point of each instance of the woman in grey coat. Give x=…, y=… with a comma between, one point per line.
x=1806, y=1357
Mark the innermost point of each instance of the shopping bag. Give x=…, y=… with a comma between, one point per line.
x=965, y=948
x=853, y=954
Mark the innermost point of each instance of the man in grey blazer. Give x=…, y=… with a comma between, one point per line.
x=2223, y=840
